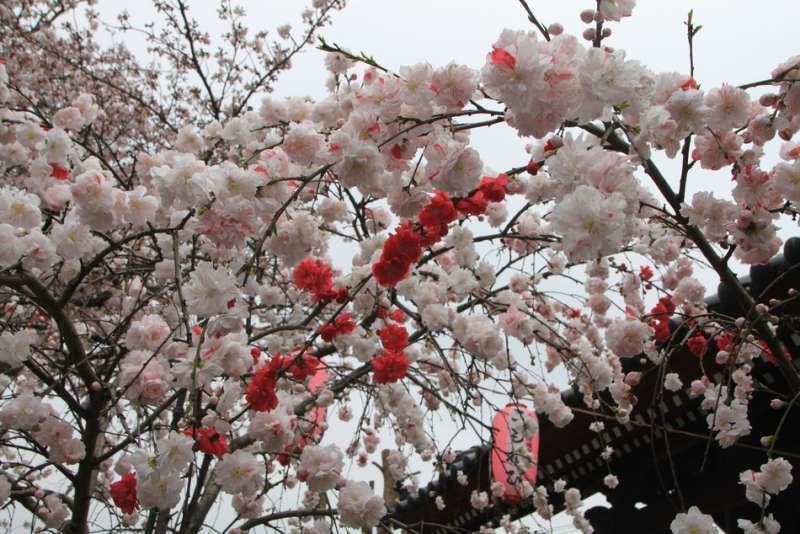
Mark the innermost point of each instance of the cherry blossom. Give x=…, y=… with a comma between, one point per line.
x=693, y=522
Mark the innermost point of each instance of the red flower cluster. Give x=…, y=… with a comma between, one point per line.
x=490, y=190
x=393, y=337
x=397, y=315
x=316, y=276
x=435, y=216
x=400, y=251
x=343, y=325
x=389, y=367
x=261, y=389
x=123, y=492
x=404, y=247
x=299, y=367
x=209, y=441
x=698, y=345
x=661, y=313
x=725, y=341
x=392, y=365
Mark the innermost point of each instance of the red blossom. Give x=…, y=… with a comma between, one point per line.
x=691, y=83
x=475, y=204
x=389, y=367
x=403, y=244
x=662, y=329
x=500, y=56
x=341, y=295
x=342, y=325
x=494, y=189
x=645, y=272
x=209, y=441
x=261, y=389
x=314, y=276
x=398, y=316
x=439, y=211
x=552, y=144
x=401, y=250
x=661, y=313
x=393, y=337
x=123, y=492
x=490, y=190
x=301, y=367
x=664, y=309
x=397, y=151
x=725, y=341
x=59, y=171
x=431, y=235
x=698, y=345
x=391, y=272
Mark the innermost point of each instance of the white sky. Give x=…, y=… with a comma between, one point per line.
x=741, y=41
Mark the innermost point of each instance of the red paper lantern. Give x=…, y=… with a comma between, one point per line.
x=508, y=433
x=318, y=414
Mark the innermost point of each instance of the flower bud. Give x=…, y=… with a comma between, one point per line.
x=768, y=100
x=776, y=404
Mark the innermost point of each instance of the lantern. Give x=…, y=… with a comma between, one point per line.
x=515, y=449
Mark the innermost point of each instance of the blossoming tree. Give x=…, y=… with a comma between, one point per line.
x=193, y=274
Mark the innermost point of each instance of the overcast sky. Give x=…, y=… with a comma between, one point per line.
x=741, y=41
